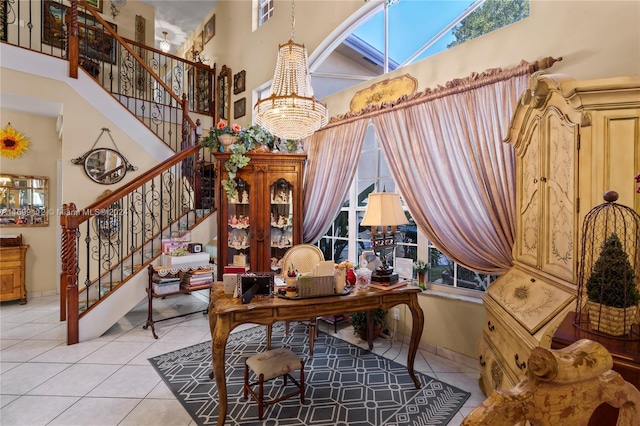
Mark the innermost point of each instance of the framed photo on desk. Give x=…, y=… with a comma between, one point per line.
x=252, y=285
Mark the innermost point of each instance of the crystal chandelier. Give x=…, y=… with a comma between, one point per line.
x=165, y=45
x=291, y=111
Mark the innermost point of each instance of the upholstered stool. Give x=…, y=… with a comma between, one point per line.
x=268, y=365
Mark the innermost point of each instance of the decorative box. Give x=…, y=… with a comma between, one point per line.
x=192, y=260
x=166, y=288
x=315, y=286
x=236, y=269
x=195, y=248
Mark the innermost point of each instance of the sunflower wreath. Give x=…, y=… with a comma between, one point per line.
x=12, y=143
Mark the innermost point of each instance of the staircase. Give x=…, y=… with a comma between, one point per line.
x=107, y=244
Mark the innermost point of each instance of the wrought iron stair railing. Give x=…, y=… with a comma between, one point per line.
x=156, y=87
x=105, y=244
x=108, y=242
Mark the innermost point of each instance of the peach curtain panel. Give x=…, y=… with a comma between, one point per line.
x=455, y=174
x=332, y=159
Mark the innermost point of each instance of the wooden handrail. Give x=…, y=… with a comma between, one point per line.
x=122, y=41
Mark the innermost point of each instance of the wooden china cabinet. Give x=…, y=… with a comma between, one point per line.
x=265, y=220
x=573, y=140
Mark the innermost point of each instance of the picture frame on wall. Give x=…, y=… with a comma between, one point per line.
x=209, y=29
x=3, y=20
x=240, y=108
x=54, y=18
x=239, y=82
x=96, y=4
x=197, y=43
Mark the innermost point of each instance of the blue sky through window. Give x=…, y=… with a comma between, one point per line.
x=411, y=24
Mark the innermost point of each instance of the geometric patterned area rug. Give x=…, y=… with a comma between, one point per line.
x=345, y=385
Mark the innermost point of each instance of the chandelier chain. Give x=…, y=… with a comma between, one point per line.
x=293, y=19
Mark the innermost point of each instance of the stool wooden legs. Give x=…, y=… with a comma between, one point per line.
x=246, y=389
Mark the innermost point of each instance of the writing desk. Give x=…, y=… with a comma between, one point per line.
x=226, y=313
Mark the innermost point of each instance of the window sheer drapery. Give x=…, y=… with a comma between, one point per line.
x=445, y=152
x=332, y=159
x=455, y=174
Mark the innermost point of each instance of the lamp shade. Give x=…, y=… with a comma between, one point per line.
x=384, y=209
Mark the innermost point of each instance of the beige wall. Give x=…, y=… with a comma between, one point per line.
x=39, y=160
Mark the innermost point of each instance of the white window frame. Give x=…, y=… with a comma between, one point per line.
x=267, y=7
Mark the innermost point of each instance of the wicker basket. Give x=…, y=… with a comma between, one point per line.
x=315, y=286
x=610, y=320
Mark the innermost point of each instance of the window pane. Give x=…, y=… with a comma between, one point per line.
x=341, y=225
x=340, y=250
x=441, y=271
x=467, y=278
x=364, y=189
x=369, y=161
x=326, y=246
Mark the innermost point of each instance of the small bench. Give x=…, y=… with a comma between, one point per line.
x=269, y=365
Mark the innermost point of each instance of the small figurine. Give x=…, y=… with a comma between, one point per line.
x=245, y=197
x=234, y=220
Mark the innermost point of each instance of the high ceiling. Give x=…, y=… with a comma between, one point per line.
x=416, y=29
x=178, y=18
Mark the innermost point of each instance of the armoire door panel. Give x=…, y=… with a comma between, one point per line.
x=528, y=223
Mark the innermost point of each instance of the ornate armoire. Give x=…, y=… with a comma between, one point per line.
x=573, y=140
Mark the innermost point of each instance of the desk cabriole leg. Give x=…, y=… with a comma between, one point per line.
x=416, y=334
x=219, y=343
x=370, y=318
x=269, y=336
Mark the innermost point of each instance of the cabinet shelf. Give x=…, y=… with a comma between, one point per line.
x=239, y=226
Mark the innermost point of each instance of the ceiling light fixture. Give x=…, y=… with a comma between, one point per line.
x=291, y=111
x=116, y=5
x=165, y=45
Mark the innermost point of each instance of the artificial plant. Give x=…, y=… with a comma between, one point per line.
x=612, y=281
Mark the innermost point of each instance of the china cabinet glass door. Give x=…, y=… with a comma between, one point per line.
x=239, y=224
x=281, y=208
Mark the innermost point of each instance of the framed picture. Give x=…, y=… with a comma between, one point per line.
x=238, y=82
x=251, y=285
x=197, y=43
x=239, y=108
x=96, y=4
x=209, y=29
x=3, y=20
x=141, y=25
x=95, y=42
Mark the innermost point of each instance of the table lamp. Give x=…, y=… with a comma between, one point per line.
x=384, y=210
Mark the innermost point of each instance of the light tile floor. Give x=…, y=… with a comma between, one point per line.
x=108, y=380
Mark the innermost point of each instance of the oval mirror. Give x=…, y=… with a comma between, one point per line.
x=106, y=166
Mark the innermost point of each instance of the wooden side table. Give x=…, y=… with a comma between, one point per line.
x=12, y=273
x=625, y=354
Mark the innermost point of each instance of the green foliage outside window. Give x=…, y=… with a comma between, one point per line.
x=492, y=15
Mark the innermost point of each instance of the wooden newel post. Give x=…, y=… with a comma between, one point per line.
x=72, y=39
x=69, y=274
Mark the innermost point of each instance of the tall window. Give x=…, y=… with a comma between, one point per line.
x=265, y=11
x=346, y=239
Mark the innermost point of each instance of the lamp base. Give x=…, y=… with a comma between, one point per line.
x=384, y=278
